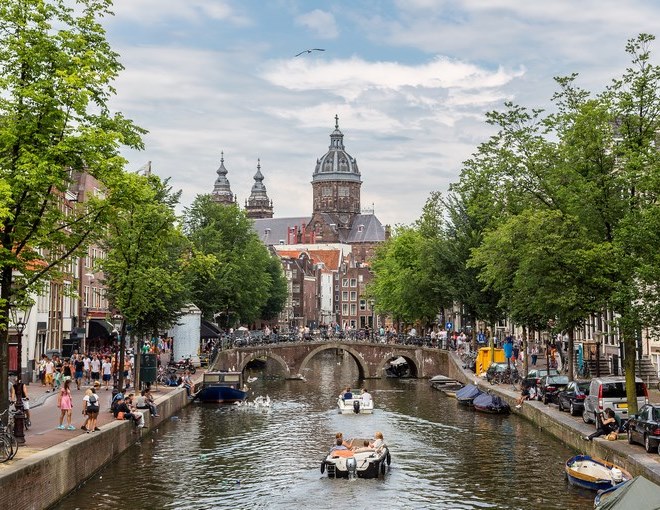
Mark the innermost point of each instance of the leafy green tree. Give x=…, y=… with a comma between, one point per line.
x=146, y=253
x=56, y=73
x=238, y=286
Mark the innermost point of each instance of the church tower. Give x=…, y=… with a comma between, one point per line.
x=336, y=186
x=259, y=205
x=221, y=190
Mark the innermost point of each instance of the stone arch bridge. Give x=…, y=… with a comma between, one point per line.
x=371, y=358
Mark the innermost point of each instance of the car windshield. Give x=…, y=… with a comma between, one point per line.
x=656, y=414
x=583, y=386
x=618, y=390
x=558, y=379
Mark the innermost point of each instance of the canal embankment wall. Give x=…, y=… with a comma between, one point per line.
x=43, y=478
x=566, y=428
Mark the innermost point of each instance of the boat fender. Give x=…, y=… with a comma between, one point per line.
x=382, y=468
x=322, y=467
x=389, y=458
x=356, y=406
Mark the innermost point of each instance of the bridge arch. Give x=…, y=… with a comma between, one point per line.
x=269, y=354
x=363, y=368
x=407, y=355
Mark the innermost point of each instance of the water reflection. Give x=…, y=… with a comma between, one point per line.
x=443, y=456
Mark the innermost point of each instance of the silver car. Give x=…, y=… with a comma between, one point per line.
x=610, y=392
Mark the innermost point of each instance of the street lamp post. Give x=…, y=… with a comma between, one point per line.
x=19, y=416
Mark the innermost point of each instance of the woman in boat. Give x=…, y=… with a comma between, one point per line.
x=608, y=424
x=339, y=436
x=366, y=396
x=378, y=441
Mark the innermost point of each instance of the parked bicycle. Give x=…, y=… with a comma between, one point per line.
x=8, y=443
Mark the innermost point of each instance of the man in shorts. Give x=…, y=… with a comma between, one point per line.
x=78, y=365
x=95, y=367
x=50, y=371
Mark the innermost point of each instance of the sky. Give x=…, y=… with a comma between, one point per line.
x=410, y=80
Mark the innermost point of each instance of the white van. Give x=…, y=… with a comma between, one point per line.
x=610, y=392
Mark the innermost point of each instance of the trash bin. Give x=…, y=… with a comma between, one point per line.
x=148, y=368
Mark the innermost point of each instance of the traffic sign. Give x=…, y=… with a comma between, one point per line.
x=448, y=325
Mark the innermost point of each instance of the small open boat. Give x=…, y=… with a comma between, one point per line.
x=487, y=403
x=467, y=394
x=355, y=406
x=221, y=387
x=593, y=473
x=361, y=462
x=444, y=383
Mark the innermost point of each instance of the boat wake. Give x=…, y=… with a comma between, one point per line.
x=259, y=402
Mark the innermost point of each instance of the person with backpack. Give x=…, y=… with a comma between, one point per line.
x=91, y=408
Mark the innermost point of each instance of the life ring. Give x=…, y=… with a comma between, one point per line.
x=382, y=468
x=322, y=467
x=389, y=458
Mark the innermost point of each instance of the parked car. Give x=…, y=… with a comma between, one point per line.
x=572, y=398
x=644, y=427
x=550, y=386
x=610, y=392
x=534, y=376
x=499, y=368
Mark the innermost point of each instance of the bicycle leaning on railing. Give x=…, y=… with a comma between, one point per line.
x=8, y=443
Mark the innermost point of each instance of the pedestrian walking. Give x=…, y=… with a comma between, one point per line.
x=65, y=403
x=91, y=408
x=107, y=372
x=50, y=373
x=95, y=366
x=535, y=354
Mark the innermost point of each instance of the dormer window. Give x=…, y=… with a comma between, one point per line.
x=360, y=228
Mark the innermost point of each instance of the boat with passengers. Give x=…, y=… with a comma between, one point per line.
x=364, y=461
x=224, y=387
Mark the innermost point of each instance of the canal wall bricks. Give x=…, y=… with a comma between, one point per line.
x=43, y=478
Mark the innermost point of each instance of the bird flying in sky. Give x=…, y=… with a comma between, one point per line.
x=309, y=51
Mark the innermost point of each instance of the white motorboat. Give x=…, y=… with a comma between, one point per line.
x=355, y=406
x=361, y=462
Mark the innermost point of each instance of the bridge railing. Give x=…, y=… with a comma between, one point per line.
x=249, y=339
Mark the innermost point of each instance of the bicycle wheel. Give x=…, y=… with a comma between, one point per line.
x=6, y=452
x=14, y=445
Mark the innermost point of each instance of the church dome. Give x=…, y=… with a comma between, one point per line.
x=336, y=164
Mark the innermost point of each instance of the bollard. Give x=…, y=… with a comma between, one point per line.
x=19, y=423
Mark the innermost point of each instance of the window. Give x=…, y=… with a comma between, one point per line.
x=295, y=288
x=353, y=309
x=327, y=191
x=353, y=295
x=343, y=191
x=344, y=282
x=353, y=282
x=344, y=309
x=344, y=296
x=363, y=304
x=360, y=278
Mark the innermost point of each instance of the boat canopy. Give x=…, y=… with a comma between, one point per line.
x=469, y=391
x=639, y=493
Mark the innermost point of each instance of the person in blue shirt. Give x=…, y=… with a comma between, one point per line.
x=347, y=395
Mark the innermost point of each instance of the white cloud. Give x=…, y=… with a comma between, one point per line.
x=154, y=11
x=321, y=23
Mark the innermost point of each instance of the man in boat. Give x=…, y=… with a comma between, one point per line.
x=347, y=395
x=339, y=445
x=339, y=436
x=366, y=396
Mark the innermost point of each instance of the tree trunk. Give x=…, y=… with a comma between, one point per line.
x=629, y=351
x=570, y=353
x=524, y=347
x=5, y=297
x=122, y=348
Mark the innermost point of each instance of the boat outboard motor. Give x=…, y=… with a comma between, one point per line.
x=617, y=475
x=351, y=467
x=356, y=406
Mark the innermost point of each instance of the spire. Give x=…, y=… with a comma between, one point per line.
x=259, y=205
x=222, y=190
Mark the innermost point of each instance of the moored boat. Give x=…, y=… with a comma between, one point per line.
x=593, y=473
x=221, y=387
x=355, y=406
x=638, y=493
x=442, y=382
x=487, y=403
x=467, y=394
x=361, y=462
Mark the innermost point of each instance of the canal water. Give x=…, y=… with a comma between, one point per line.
x=443, y=455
